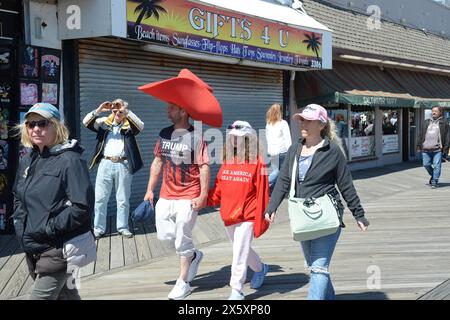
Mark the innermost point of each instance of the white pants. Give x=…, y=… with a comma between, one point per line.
x=241, y=235
x=175, y=220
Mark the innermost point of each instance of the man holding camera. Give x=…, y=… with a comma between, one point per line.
x=118, y=156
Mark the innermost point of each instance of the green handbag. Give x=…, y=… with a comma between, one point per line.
x=311, y=218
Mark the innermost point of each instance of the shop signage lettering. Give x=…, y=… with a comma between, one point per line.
x=384, y=101
x=191, y=26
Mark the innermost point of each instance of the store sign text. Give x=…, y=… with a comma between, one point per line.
x=215, y=31
x=383, y=101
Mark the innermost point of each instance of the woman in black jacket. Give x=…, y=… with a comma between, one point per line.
x=320, y=166
x=53, y=205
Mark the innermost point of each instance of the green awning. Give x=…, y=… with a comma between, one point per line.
x=357, y=84
x=371, y=99
x=374, y=100
x=354, y=84
x=430, y=103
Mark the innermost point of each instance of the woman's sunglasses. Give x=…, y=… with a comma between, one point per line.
x=118, y=111
x=238, y=127
x=40, y=123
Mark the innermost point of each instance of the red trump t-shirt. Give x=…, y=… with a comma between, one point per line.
x=182, y=152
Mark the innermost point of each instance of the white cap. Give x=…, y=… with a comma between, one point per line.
x=240, y=128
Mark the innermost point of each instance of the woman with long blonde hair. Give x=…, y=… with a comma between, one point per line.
x=241, y=190
x=278, y=138
x=317, y=164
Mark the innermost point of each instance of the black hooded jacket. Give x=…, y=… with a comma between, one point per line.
x=53, y=198
x=328, y=169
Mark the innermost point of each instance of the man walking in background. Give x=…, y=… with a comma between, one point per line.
x=434, y=143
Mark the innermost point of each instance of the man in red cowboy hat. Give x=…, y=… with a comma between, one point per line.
x=181, y=155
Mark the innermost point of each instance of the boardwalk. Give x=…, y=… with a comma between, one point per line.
x=407, y=246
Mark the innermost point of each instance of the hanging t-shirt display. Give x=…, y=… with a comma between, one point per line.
x=50, y=61
x=3, y=184
x=2, y=216
x=3, y=154
x=5, y=93
x=4, y=121
x=5, y=59
x=29, y=62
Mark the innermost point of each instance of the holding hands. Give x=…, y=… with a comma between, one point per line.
x=270, y=217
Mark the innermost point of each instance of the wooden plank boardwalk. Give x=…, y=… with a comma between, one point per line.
x=407, y=246
x=441, y=292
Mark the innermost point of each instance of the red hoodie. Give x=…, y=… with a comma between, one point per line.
x=242, y=191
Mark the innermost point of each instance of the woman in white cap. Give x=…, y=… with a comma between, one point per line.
x=241, y=190
x=53, y=205
x=320, y=165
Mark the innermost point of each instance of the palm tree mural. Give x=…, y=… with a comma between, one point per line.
x=313, y=43
x=149, y=8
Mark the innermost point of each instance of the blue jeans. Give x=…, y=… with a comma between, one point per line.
x=318, y=254
x=276, y=163
x=432, y=162
x=109, y=174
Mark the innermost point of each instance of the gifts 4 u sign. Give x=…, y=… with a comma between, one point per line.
x=193, y=26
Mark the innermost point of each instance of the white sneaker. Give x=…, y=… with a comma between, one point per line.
x=193, y=268
x=180, y=291
x=126, y=233
x=98, y=234
x=236, y=295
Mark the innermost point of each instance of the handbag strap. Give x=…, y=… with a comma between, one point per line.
x=294, y=176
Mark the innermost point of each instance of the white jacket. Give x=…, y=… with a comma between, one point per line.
x=278, y=138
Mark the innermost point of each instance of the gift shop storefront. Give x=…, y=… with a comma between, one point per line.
x=245, y=51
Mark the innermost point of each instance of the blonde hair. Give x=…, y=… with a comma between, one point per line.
x=62, y=133
x=249, y=154
x=330, y=132
x=274, y=115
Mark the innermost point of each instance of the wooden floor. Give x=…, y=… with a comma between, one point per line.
x=113, y=251
x=441, y=292
x=403, y=256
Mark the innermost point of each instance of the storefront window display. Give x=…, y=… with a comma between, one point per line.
x=340, y=117
x=447, y=115
x=362, y=141
x=412, y=133
x=391, y=130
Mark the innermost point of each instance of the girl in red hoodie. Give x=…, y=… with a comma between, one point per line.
x=242, y=191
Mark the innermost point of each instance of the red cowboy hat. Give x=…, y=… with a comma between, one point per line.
x=189, y=92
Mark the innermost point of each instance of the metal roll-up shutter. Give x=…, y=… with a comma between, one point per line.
x=112, y=68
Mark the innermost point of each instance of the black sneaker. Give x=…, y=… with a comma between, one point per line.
x=434, y=185
x=430, y=182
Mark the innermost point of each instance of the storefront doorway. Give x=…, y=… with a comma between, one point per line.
x=409, y=134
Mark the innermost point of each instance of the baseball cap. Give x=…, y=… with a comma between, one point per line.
x=46, y=110
x=313, y=112
x=240, y=128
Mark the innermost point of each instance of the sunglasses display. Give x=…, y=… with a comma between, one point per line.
x=41, y=124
